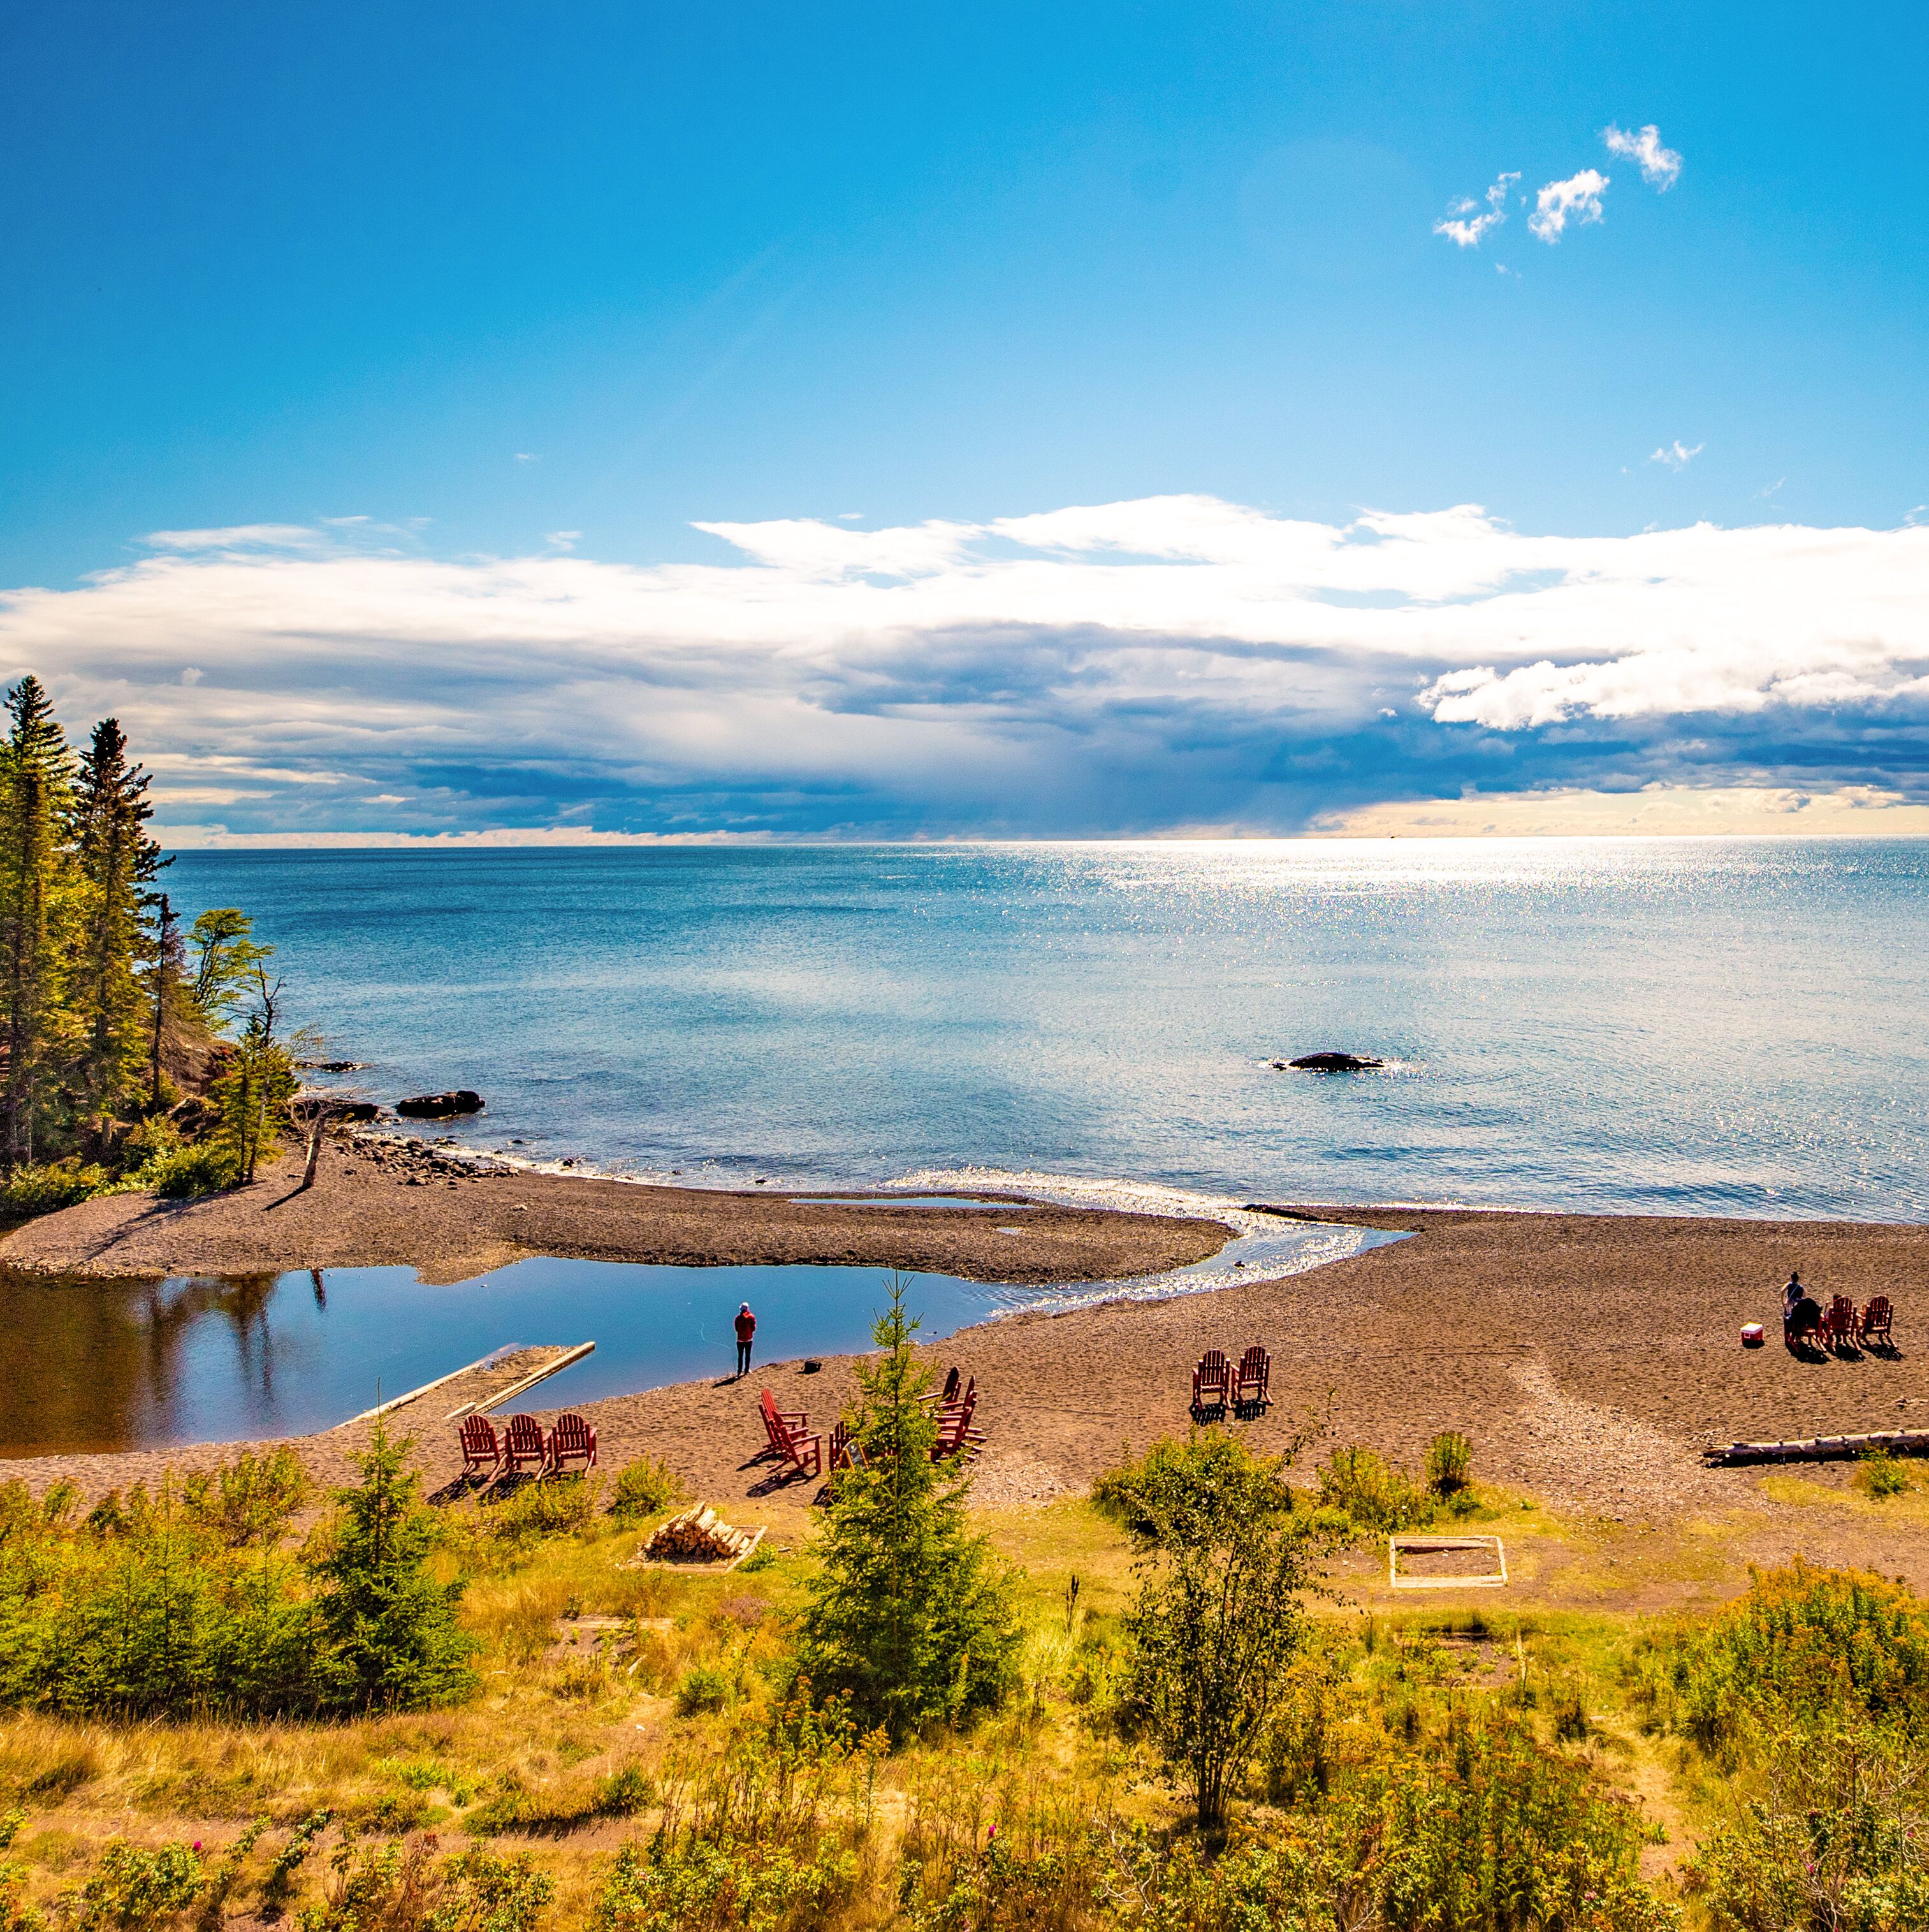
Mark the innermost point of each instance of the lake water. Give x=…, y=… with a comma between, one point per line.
x=1693, y=1026
x=114, y=1365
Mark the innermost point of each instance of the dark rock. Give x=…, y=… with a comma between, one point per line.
x=1332, y=1063
x=440, y=1106
x=356, y=1110
x=811, y=1366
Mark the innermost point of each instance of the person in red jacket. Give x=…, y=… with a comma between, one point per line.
x=747, y=1328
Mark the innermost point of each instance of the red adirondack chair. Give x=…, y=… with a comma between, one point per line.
x=948, y=1394
x=1250, y=1380
x=843, y=1452
x=1211, y=1383
x=1876, y=1321
x=788, y=1440
x=957, y=1437
x=572, y=1440
x=525, y=1442
x=1838, y=1324
x=481, y=1451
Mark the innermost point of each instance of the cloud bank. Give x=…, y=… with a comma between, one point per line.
x=1121, y=667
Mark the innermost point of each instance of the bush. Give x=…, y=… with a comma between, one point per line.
x=187, y=1172
x=28, y=1191
x=249, y=1502
x=561, y=1506
x=1881, y=1475
x=1449, y=1464
x=1375, y=1496
x=702, y=1689
x=643, y=1488
x=1803, y=1646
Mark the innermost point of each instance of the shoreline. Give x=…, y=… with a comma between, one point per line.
x=1589, y=1358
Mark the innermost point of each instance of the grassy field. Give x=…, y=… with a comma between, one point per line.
x=623, y=1705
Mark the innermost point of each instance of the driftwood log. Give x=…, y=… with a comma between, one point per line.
x=699, y=1534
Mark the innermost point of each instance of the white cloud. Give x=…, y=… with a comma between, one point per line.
x=1577, y=200
x=1677, y=456
x=1154, y=660
x=1464, y=225
x=1661, y=167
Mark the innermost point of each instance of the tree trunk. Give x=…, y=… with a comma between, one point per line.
x=317, y=1128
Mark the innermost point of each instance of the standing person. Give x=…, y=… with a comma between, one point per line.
x=747, y=1329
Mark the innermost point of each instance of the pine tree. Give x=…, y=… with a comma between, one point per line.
x=36, y=785
x=393, y=1640
x=117, y=860
x=909, y=1615
x=169, y=1007
x=252, y=1091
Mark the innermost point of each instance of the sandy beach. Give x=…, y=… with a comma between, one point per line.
x=1590, y=1358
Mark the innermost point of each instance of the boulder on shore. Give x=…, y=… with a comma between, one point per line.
x=1332, y=1063
x=440, y=1106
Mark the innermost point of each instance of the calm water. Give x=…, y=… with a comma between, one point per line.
x=1729, y=1027
x=112, y=1365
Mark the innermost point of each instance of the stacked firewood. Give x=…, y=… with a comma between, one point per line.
x=700, y=1535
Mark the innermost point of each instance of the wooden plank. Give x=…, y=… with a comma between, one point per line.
x=400, y=1401
x=528, y=1382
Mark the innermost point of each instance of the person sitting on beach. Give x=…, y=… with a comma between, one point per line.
x=747, y=1328
x=1793, y=1294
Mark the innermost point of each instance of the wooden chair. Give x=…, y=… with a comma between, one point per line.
x=525, y=1442
x=957, y=1437
x=788, y=1440
x=481, y=1453
x=844, y=1452
x=1250, y=1380
x=1876, y=1321
x=1838, y=1323
x=1211, y=1384
x=572, y=1440
x=1805, y=1325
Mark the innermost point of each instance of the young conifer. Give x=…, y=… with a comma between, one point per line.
x=393, y=1641
x=909, y=1615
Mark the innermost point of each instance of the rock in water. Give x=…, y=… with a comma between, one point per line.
x=1332, y=1063
x=440, y=1106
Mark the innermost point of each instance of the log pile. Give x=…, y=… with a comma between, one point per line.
x=1823, y=1448
x=699, y=1535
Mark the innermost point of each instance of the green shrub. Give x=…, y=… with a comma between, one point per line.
x=1880, y=1475
x=33, y=1190
x=561, y=1506
x=643, y=1488
x=1375, y=1496
x=692, y=1884
x=187, y=1172
x=702, y=1689
x=1804, y=1646
x=395, y=1887
x=250, y=1501
x=1449, y=1464
x=1208, y=1463
x=137, y=1889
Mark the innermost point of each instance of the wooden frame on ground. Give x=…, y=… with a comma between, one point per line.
x=1435, y=1546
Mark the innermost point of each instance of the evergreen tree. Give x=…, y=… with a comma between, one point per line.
x=252, y=1093
x=910, y=1614
x=36, y=785
x=393, y=1640
x=228, y=962
x=117, y=861
x=170, y=1006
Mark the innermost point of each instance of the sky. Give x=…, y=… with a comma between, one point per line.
x=524, y=422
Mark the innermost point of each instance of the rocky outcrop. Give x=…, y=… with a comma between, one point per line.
x=440, y=1106
x=1331, y=1062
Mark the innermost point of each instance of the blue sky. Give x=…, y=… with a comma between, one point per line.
x=536, y=293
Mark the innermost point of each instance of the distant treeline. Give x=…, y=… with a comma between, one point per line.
x=131, y=1054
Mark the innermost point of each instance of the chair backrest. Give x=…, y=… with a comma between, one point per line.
x=1842, y=1307
x=1212, y=1365
x=478, y=1436
x=1252, y=1363
x=1878, y=1311
x=570, y=1436
x=773, y=1423
x=526, y=1436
